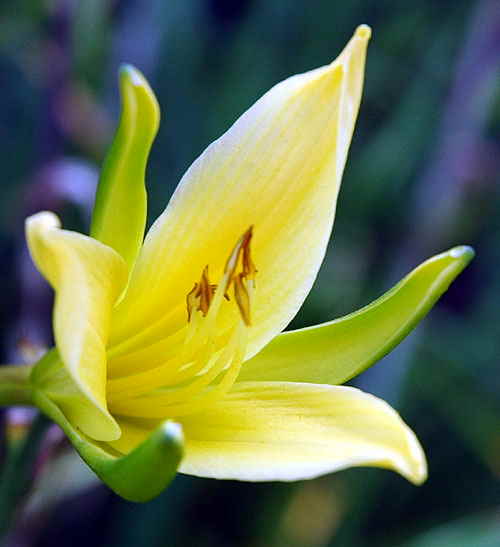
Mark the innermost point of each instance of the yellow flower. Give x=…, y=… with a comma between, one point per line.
x=186, y=325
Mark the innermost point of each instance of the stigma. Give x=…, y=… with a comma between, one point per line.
x=239, y=274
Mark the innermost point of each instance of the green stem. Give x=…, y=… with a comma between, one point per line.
x=15, y=386
x=17, y=474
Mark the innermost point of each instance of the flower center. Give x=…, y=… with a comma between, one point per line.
x=209, y=359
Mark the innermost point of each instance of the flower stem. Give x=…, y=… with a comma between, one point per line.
x=17, y=473
x=15, y=387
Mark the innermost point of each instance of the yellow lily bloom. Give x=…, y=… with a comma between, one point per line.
x=186, y=325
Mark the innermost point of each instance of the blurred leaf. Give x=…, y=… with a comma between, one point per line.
x=478, y=531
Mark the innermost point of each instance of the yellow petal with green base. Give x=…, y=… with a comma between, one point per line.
x=334, y=352
x=278, y=169
x=119, y=217
x=264, y=431
x=87, y=277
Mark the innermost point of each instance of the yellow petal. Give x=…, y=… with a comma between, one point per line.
x=278, y=168
x=134, y=432
x=289, y=431
x=87, y=277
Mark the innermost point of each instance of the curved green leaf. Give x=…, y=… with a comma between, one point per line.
x=119, y=216
x=334, y=352
x=138, y=476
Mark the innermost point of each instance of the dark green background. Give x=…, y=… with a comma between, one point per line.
x=422, y=176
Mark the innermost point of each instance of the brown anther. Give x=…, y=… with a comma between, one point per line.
x=191, y=299
x=249, y=269
x=205, y=291
x=242, y=248
x=242, y=298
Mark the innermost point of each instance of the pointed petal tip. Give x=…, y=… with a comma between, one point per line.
x=357, y=44
x=417, y=472
x=119, y=215
x=147, y=470
x=364, y=32
x=172, y=433
x=463, y=252
x=419, y=478
x=133, y=79
x=133, y=75
x=417, y=475
x=45, y=219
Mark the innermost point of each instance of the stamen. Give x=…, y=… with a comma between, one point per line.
x=242, y=297
x=191, y=300
x=209, y=361
x=214, y=393
x=203, y=292
x=195, y=396
x=249, y=269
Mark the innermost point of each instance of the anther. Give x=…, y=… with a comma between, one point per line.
x=200, y=297
x=191, y=300
x=205, y=292
x=249, y=269
x=242, y=297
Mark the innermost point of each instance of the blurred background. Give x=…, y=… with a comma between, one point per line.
x=422, y=176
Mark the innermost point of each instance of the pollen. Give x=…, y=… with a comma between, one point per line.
x=200, y=296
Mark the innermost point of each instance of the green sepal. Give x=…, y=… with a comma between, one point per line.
x=334, y=352
x=119, y=216
x=138, y=476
